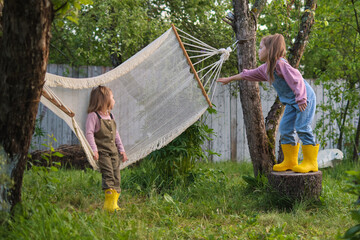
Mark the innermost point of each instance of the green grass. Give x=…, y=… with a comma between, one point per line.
x=217, y=205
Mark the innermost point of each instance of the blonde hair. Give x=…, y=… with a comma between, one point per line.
x=99, y=98
x=276, y=48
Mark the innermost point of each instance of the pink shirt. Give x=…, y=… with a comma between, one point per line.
x=93, y=125
x=291, y=75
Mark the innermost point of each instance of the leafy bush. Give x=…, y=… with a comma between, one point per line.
x=353, y=187
x=174, y=163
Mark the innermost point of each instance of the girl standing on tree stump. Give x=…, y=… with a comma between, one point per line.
x=297, y=96
x=106, y=144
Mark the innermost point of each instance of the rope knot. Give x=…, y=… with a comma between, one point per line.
x=225, y=53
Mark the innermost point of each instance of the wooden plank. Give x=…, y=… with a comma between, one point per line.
x=233, y=127
x=83, y=72
x=52, y=68
x=243, y=149
x=191, y=66
x=217, y=143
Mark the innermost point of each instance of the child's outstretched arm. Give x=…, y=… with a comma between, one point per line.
x=229, y=79
x=257, y=74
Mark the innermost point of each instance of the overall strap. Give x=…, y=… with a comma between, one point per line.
x=111, y=116
x=98, y=115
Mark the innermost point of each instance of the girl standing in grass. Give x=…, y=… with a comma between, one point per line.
x=106, y=143
x=297, y=96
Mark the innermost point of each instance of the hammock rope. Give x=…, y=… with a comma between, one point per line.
x=206, y=52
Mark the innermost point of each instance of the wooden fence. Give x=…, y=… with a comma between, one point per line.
x=229, y=141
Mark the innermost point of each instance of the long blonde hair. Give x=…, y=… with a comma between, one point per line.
x=276, y=48
x=99, y=99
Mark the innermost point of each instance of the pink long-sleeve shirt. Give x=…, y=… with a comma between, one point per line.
x=291, y=75
x=93, y=125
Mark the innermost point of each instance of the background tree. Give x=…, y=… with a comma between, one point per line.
x=128, y=26
x=24, y=50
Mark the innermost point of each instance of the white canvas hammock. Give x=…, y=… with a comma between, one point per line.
x=158, y=94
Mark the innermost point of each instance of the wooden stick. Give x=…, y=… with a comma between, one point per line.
x=61, y=107
x=191, y=65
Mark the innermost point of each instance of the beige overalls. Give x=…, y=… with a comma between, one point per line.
x=109, y=159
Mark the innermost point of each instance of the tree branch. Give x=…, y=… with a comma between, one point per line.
x=356, y=17
x=258, y=7
x=62, y=6
x=307, y=20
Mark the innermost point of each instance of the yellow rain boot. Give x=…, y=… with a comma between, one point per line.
x=116, y=198
x=309, y=164
x=290, y=158
x=109, y=200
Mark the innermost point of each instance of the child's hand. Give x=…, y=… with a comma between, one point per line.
x=302, y=107
x=96, y=155
x=224, y=80
x=125, y=158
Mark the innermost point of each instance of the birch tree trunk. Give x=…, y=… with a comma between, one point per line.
x=24, y=50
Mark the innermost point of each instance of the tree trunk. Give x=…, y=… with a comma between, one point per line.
x=23, y=60
x=245, y=30
x=294, y=57
x=272, y=122
x=342, y=125
x=356, y=142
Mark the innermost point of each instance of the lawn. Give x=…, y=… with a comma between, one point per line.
x=215, y=204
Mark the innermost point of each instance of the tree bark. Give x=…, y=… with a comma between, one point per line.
x=272, y=122
x=356, y=142
x=23, y=60
x=245, y=30
x=296, y=186
x=294, y=57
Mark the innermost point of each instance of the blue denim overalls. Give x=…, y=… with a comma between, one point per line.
x=293, y=119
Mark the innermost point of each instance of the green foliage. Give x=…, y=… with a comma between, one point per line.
x=105, y=28
x=271, y=198
x=109, y=32
x=44, y=170
x=353, y=187
x=257, y=183
x=174, y=162
x=179, y=157
x=5, y=181
x=67, y=10
x=38, y=132
x=277, y=17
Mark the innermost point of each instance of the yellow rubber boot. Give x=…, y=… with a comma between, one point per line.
x=116, y=198
x=109, y=200
x=309, y=164
x=290, y=158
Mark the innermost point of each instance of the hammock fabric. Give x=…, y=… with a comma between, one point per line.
x=158, y=95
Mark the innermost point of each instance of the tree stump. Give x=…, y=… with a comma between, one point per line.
x=297, y=186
